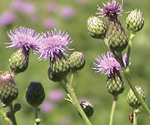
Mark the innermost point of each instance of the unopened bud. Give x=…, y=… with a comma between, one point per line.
x=135, y=20
x=132, y=99
x=87, y=108
x=19, y=60
x=58, y=70
x=76, y=61
x=115, y=85
x=96, y=27
x=35, y=94
x=8, y=88
x=117, y=39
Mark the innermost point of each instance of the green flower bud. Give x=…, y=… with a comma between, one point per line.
x=131, y=98
x=115, y=85
x=19, y=60
x=76, y=61
x=87, y=108
x=35, y=94
x=96, y=27
x=58, y=69
x=135, y=20
x=117, y=39
x=8, y=88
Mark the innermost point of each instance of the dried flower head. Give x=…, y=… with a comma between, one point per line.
x=111, y=9
x=24, y=38
x=54, y=43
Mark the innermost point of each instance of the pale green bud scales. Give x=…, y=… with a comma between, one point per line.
x=132, y=99
x=115, y=85
x=76, y=60
x=135, y=21
x=96, y=27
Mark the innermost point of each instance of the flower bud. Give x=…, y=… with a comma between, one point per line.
x=132, y=99
x=58, y=70
x=8, y=114
x=76, y=61
x=115, y=85
x=19, y=60
x=8, y=88
x=135, y=20
x=17, y=107
x=87, y=108
x=35, y=94
x=96, y=27
x=117, y=39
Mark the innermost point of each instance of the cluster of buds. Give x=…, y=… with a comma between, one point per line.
x=60, y=67
x=50, y=45
x=115, y=35
x=117, y=41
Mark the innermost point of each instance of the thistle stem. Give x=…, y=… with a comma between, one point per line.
x=128, y=78
x=76, y=103
x=129, y=47
x=12, y=113
x=114, y=104
x=37, y=120
x=135, y=112
x=3, y=114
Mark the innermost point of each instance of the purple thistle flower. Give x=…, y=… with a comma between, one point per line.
x=24, y=7
x=83, y=1
x=24, y=38
x=52, y=6
x=111, y=9
x=56, y=95
x=107, y=63
x=47, y=107
x=54, y=43
x=49, y=23
x=7, y=18
x=67, y=12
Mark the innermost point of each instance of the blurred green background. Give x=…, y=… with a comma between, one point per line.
x=71, y=16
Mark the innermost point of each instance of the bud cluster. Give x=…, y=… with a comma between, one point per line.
x=60, y=67
x=115, y=34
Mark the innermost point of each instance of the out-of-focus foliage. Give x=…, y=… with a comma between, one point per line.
x=71, y=16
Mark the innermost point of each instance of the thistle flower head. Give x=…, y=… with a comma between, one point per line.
x=54, y=43
x=23, y=37
x=107, y=63
x=111, y=9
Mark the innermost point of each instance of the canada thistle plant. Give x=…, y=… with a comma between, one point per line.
x=53, y=46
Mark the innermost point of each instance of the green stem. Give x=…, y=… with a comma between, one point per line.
x=37, y=120
x=128, y=78
x=129, y=47
x=3, y=114
x=12, y=113
x=76, y=103
x=135, y=112
x=113, y=110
